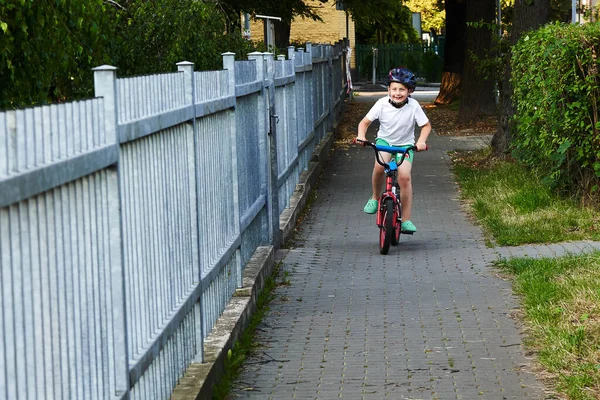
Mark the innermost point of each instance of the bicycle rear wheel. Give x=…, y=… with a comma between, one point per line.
x=386, y=230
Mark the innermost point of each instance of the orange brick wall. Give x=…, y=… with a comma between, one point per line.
x=329, y=31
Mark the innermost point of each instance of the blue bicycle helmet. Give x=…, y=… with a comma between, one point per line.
x=403, y=76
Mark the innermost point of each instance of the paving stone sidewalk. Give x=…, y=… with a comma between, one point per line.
x=431, y=320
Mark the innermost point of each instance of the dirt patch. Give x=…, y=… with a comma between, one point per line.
x=348, y=126
x=444, y=121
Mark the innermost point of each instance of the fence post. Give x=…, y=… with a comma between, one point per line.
x=261, y=75
x=105, y=86
x=262, y=111
x=374, y=63
x=188, y=69
x=291, y=52
x=301, y=100
x=229, y=65
x=190, y=98
x=309, y=86
x=273, y=170
x=331, y=85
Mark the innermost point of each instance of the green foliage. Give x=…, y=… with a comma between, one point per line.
x=492, y=66
x=382, y=21
x=590, y=13
x=432, y=67
x=560, y=10
x=556, y=93
x=155, y=35
x=49, y=47
x=433, y=14
x=287, y=10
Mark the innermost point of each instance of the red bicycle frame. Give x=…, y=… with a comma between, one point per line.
x=389, y=207
x=388, y=193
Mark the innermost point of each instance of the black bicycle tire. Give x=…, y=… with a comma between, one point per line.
x=387, y=226
x=397, y=231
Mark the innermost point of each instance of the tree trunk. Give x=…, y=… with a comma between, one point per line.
x=477, y=93
x=448, y=88
x=454, y=50
x=526, y=17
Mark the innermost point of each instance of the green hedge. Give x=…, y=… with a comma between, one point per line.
x=557, y=95
x=48, y=48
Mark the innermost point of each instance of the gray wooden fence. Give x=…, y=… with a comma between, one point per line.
x=126, y=220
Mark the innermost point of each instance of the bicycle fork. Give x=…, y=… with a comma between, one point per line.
x=392, y=192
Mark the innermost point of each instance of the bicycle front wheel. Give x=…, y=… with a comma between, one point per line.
x=397, y=224
x=386, y=231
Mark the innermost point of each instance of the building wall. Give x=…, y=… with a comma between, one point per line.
x=328, y=31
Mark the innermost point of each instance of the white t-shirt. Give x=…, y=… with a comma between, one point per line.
x=397, y=125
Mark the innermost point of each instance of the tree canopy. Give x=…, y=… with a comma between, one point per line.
x=154, y=35
x=48, y=48
x=287, y=10
x=381, y=21
x=433, y=15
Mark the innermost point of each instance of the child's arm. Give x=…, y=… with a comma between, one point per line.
x=362, y=129
x=422, y=141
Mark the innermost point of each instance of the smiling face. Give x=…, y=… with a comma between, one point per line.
x=398, y=92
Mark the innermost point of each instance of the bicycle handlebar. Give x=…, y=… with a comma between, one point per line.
x=389, y=149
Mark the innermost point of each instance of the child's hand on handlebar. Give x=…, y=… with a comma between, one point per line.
x=421, y=146
x=360, y=141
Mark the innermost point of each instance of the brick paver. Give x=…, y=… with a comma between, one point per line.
x=430, y=320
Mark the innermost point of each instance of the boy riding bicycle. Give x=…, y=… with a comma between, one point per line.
x=397, y=114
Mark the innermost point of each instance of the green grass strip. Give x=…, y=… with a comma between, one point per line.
x=515, y=208
x=561, y=305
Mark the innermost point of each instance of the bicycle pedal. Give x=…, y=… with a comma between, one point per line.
x=407, y=232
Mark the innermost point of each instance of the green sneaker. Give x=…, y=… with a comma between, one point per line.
x=408, y=227
x=371, y=206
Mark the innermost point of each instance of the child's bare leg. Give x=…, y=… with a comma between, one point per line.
x=404, y=180
x=377, y=180
x=378, y=177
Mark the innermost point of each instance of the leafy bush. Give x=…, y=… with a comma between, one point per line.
x=48, y=48
x=155, y=35
x=557, y=94
x=432, y=67
x=412, y=61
